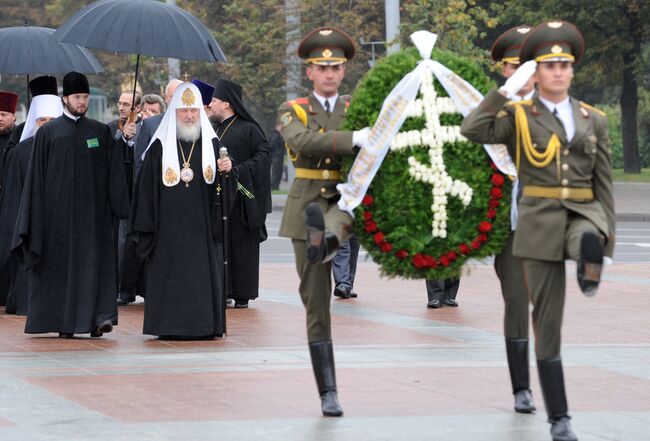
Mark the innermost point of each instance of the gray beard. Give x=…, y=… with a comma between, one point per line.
x=188, y=134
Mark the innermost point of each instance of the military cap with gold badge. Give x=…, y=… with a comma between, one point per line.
x=554, y=40
x=506, y=48
x=326, y=46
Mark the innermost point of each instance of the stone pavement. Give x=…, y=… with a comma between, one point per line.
x=405, y=372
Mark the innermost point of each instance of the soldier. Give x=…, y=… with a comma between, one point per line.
x=310, y=127
x=508, y=267
x=561, y=150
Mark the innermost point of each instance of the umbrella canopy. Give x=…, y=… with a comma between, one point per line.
x=143, y=27
x=30, y=50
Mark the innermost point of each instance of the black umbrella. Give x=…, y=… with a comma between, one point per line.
x=142, y=27
x=30, y=50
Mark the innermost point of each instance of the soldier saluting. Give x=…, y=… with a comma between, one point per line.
x=560, y=146
x=310, y=128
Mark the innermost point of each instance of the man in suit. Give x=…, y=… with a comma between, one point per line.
x=310, y=127
x=507, y=266
x=561, y=149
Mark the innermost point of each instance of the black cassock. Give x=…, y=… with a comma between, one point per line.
x=74, y=186
x=17, y=280
x=251, y=156
x=172, y=228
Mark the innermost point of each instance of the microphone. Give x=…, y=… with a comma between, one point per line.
x=223, y=152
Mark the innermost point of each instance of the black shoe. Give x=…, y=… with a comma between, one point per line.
x=590, y=263
x=343, y=293
x=124, y=299
x=321, y=245
x=322, y=361
x=524, y=401
x=353, y=295
x=451, y=302
x=561, y=430
x=103, y=328
x=434, y=304
x=241, y=304
x=66, y=335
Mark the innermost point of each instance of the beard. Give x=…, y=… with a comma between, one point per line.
x=188, y=133
x=74, y=111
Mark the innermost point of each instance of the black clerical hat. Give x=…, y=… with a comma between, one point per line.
x=206, y=91
x=74, y=82
x=45, y=85
x=232, y=93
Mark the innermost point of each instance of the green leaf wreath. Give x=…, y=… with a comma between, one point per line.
x=394, y=220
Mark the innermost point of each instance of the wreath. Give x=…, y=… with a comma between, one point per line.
x=437, y=199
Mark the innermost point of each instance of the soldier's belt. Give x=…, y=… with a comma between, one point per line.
x=538, y=191
x=318, y=175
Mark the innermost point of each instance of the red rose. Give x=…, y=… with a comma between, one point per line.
x=419, y=261
x=485, y=227
x=476, y=244
x=452, y=256
x=431, y=262
x=386, y=247
x=367, y=200
x=482, y=238
x=497, y=180
x=401, y=254
x=491, y=213
x=371, y=227
x=496, y=193
x=444, y=261
x=379, y=238
x=367, y=216
x=463, y=248
x=493, y=203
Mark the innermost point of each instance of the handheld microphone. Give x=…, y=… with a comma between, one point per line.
x=223, y=152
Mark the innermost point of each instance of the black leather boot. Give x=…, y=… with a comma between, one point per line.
x=551, y=378
x=322, y=361
x=321, y=244
x=517, y=351
x=590, y=263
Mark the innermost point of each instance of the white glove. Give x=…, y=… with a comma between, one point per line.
x=360, y=137
x=519, y=79
x=607, y=261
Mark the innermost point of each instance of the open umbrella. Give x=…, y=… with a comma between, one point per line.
x=30, y=50
x=142, y=27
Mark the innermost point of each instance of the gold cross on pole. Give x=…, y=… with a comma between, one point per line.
x=186, y=76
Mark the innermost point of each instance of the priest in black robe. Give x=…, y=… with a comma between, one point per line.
x=44, y=108
x=172, y=227
x=74, y=186
x=238, y=131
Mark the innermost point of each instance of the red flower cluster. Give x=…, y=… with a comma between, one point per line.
x=424, y=261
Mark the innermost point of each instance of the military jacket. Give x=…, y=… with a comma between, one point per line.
x=313, y=142
x=583, y=163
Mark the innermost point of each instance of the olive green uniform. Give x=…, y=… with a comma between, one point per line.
x=557, y=205
x=316, y=148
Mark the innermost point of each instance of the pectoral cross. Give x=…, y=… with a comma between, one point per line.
x=186, y=76
x=433, y=137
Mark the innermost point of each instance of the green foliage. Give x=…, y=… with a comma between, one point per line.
x=402, y=206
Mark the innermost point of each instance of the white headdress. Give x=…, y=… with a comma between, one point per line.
x=42, y=106
x=187, y=96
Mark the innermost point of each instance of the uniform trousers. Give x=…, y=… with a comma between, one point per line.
x=316, y=279
x=546, y=284
x=510, y=270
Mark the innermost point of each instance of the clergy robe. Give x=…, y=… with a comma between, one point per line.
x=74, y=186
x=251, y=156
x=10, y=269
x=183, y=262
